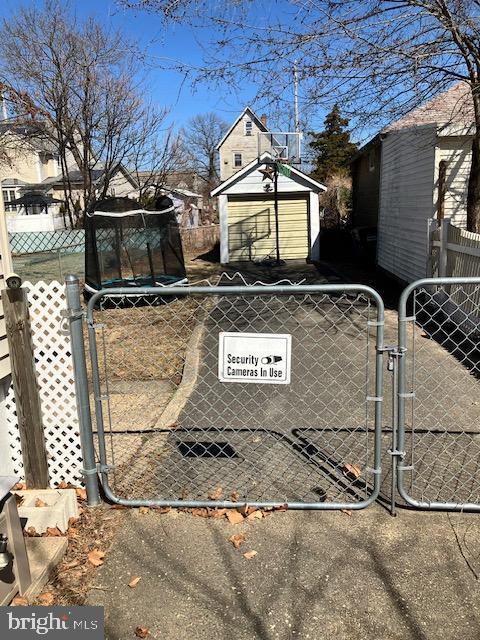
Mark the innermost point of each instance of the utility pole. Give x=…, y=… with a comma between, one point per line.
x=295, y=98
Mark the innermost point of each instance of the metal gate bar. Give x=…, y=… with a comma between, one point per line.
x=302, y=438
x=438, y=453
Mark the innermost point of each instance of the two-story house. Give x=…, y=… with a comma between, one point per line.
x=30, y=165
x=239, y=146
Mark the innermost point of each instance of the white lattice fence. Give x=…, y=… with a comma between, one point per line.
x=57, y=387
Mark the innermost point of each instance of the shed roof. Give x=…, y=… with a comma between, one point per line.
x=296, y=175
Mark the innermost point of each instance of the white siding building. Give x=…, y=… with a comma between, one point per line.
x=410, y=153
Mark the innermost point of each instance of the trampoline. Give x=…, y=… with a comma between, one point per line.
x=128, y=246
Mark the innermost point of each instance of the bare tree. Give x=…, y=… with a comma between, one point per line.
x=74, y=83
x=201, y=137
x=378, y=58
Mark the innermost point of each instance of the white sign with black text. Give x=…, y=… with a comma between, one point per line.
x=264, y=358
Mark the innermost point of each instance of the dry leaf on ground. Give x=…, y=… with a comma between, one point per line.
x=19, y=601
x=142, y=632
x=70, y=565
x=217, y=494
x=351, y=471
x=46, y=599
x=237, y=539
x=96, y=557
x=234, y=496
x=134, y=581
x=53, y=532
x=40, y=503
x=81, y=493
x=347, y=512
x=248, y=555
x=144, y=510
x=234, y=517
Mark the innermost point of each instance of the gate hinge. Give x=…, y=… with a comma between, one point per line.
x=105, y=468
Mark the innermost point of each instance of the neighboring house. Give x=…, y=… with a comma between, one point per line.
x=188, y=204
x=247, y=215
x=396, y=178
x=34, y=166
x=239, y=146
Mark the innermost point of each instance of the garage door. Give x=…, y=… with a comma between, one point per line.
x=251, y=228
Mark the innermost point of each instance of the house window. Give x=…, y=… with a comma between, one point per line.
x=248, y=127
x=371, y=161
x=8, y=196
x=237, y=159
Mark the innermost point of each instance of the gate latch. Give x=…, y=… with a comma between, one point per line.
x=394, y=352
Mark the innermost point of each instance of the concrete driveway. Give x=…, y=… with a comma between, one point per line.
x=318, y=576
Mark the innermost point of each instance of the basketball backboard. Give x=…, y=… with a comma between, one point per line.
x=282, y=145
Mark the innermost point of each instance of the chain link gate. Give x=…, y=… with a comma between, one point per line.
x=437, y=456
x=170, y=433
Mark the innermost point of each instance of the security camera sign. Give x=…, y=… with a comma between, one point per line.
x=264, y=358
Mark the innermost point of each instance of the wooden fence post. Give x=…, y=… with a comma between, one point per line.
x=25, y=386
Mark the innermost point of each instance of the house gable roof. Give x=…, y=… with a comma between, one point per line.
x=452, y=106
x=253, y=116
x=316, y=186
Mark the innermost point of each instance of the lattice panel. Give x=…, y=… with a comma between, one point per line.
x=56, y=383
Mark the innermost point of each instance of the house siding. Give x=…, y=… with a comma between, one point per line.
x=238, y=142
x=406, y=201
x=457, y=152
x=366, y=188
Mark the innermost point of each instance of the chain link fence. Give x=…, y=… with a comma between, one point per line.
x=439, y=394
x=169, y=432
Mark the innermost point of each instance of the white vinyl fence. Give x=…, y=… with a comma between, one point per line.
x=56, y=384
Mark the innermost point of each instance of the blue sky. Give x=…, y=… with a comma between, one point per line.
x=177, y=42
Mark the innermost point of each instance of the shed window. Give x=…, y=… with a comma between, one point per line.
x=237, y=159
x=248, y=127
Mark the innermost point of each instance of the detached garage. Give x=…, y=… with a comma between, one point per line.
x=248, y=227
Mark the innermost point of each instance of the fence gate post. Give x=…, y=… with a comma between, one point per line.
x=25, y=385
x=75, y=316
x=443, y=258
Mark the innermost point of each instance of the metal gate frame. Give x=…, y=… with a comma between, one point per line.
x=398, y=449
x=255, y=290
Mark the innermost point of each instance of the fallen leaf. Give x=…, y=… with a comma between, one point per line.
x=96, y=557
x=234, y=516
x=244, y=510
x=351, y=471
x=347, y=512
x=31, y=532
x=134, y=581
x=81, y=493
x=20, y=486
x=19, y=601
x=248, y=555
x=255, y=515
x=72, y=520
x=53, y=532
x=40, y=503
x=142, y=632
x=234, y=496
x=144, y=510
x=237, y=540
x=118, y=506
x=216, y=495
x=18, y=499
x=70, y=565
x=62, y=485
x=200, y=512
x=218, y=513
x=162, y=510
x=46, y=599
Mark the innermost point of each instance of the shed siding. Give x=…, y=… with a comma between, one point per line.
x=406, y=201
x=366, y=187
x=457, y=152
x=251, y=228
